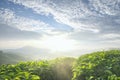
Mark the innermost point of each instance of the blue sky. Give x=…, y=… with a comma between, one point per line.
x=85, y=24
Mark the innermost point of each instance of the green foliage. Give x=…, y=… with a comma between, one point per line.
x=17, y=72
x=104, y=65
x=62, y=68
x=42, y=70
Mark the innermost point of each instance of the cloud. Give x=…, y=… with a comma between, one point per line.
x=92, y=22
x=11, y=33
x=63, y=11
x=8, y=17
x=111, y=36
x=106, y=7
x=82, y=15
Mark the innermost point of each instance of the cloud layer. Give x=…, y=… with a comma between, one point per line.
x=8, y=17
x=90, y=15
x=10, y=33
x=90, y=22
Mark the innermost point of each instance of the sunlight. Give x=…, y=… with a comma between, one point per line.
x=59, y=43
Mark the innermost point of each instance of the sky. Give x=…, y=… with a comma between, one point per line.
x=60, y=25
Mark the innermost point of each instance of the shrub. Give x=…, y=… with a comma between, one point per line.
x=103, y=65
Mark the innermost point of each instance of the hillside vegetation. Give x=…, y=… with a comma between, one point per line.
x=102, y=65
x=11, y=58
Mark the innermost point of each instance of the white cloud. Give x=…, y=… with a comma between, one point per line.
x=108, y=7
x=62, y=11
x=82, y=15
x=79, y=14
x=10, y=18
x=110, y=36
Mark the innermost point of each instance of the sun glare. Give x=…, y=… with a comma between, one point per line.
x=59, y=43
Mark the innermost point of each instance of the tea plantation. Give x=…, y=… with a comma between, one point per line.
x=101, y=65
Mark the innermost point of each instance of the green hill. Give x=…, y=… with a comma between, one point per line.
x=11, y=58
x=102, y=65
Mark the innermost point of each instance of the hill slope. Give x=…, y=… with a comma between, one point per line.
x=10, y=58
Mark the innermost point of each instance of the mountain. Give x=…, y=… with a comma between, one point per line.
x=27, y=53
x=10, y=58
x=32, y=53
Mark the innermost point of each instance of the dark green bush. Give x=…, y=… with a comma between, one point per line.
x=103, y=65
